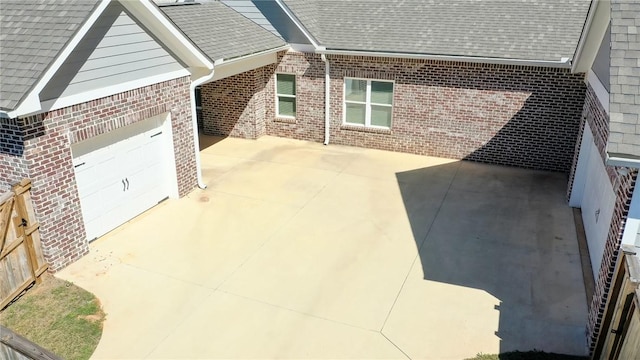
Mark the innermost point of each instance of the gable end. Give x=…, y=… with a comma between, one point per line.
x=116, y=50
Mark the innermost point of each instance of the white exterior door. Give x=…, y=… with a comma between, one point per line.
x=122, y=173
x=597, y=199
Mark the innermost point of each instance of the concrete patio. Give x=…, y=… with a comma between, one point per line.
x=299, y=250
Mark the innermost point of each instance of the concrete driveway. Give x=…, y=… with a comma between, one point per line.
x=299, y=250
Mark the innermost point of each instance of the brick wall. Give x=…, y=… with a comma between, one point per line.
x=235, y=106
x=511, y=115
x=13, y=166
x=623, y=182
x=44, y=144
x=309, y=121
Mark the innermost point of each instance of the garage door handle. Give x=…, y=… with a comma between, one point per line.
x=124, y=186
x=77, y=166
x=127, y=180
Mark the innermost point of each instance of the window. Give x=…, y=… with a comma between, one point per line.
x=286, y=95
x=368, y=102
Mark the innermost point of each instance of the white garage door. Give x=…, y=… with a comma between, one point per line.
x=596, y=199
x=123, y=173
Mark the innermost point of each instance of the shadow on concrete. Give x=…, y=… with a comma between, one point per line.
x=206, y=140
x=505, y=230
x=509, y=232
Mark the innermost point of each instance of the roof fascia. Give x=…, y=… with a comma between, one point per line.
x=31, y=102
x=233, y=66
x=304, y=47
x=592, y=34
x=562, y=63
x=248, y=56
x=298, y=23
x=622, y=160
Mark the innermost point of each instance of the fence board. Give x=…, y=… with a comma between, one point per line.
x=19, y=348
x=15, y=272
x=631, y=346
x=5, y=219
x=21, y=258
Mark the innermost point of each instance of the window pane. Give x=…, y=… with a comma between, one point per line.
x=286, y=84
x=381, y=92
x=286, y=106
x=355, y=90
x=355, y=113
x=381, y=115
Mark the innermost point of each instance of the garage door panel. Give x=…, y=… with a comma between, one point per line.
x=102, y=199
x=123, y=175
x=109, y=198
x=91, y=172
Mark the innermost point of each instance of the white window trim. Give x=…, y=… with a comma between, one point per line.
x=367, y=103
x=295, y=79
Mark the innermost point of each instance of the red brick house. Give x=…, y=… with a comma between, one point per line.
x=471, y=90
x=550, y=86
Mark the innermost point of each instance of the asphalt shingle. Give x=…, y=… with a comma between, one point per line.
x=219, y=31
x=32, y=34
x=624, y=79
x=522, y=29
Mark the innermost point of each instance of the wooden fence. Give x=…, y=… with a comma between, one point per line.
x=620, y=338
x=21, y=260
x=16, y=347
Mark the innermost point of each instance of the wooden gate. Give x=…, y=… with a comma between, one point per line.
x=621, y=328
x=21, y=260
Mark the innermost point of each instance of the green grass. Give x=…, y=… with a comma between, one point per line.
x=527, y=355
x=58, y=316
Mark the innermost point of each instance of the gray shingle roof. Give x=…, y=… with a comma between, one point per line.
x=32, y=34
x=624, y=78
x=219, y=31
x=517, y=29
